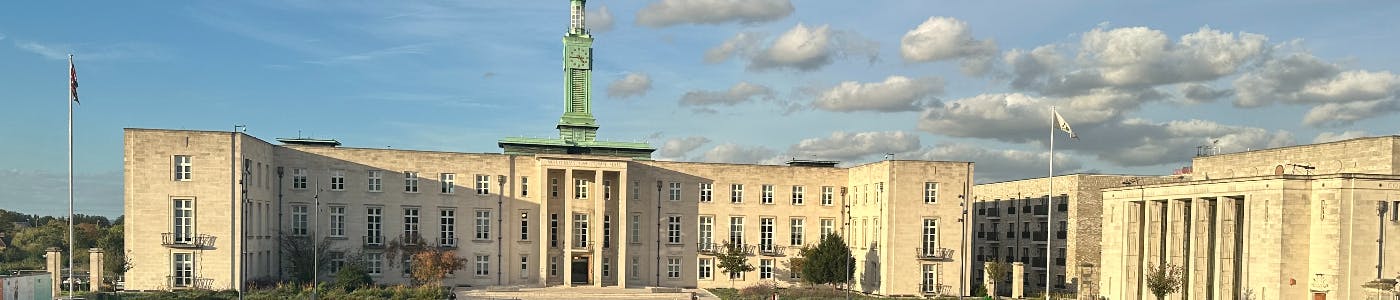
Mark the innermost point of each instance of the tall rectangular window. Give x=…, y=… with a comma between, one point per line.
x=483, y=224
x=706, y=190
x=524, y=186
x=607, y=231
x=736, y=230
x=828, y=195
x=673, y=267
x=931, y=192
x=673, y=230
x=553, y=230
x=337, y=259
x=376, y=181
x=410, y=182
x=374, y=263
x=448, y=185
x=299, y=179
x=765, y=268
x=184, y=167
x=797, y=235
x=707, y=228
x=554, y=187
x=930, y=278
x=930, y=236
x=337, y=180
x=879, y=191
x=607, y=267
x=524, y=266
x=828, y=226
x=581, y=230
x=580, y=188
x=765, y=233
x=705, y=268
x=553, y=266
x=337, y=221
x=410, y=225
x=182, y=274
x=483, y=265
x=374, y=225
x=675, y=191
x=447, y=223
x=767, y=196
x=636, y=229
x=636, y=191
x=736, y=193
x=483, y=184
x=183, y=228
x=299, y=219
x=635, y=268
x=607, y=190
x=524, y=225
x=797, y=196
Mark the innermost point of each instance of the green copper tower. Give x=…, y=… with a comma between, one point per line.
x=578, y=130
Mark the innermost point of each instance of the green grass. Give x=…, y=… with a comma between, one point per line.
x=796, y=293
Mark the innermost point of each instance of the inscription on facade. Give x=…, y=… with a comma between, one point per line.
x=584, y=164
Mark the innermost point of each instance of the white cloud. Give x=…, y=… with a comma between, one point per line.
x=735, y=153
x=665, y=13
x=676, y=149
x=743, y=44
x=1342, y=114
x=853, y=146
x=1016, y=117
x=804, y=48
x=632, y=85
x=599, y=19
x=1337, y=97
x=1201, y=93
x=1338, y=136
x=991, y=165
x=1139, y=142
x=944, y=38
x=740, y=93
x=117, y=51
x=896, y=93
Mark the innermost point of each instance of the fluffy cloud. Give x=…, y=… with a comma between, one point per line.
x=1338, y=136
x=1016, y=117
x=743, y=43
x=739, y=93
x=1338, y=97
x=1343, y=114
x=735, y=153
x=896, y=93
x=944, y=38
x=991, y=165
x=632, y=85
x=853, y=146
x=600, y=19
x=665, y=13
x=1138, y=142
x=801, y=48
x=1200, y=93
x=676, y=149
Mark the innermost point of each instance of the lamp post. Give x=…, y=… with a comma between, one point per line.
x=243, y=221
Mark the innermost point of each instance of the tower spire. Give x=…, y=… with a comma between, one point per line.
x=576, y=20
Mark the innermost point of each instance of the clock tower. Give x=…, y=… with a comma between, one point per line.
x=577, y=124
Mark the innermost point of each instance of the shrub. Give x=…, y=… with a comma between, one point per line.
x=761, y=289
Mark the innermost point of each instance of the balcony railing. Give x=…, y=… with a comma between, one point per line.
x=993, y=236
x=772, y=250
x=1038, y=262
x=935, y=253
x=1011, y=210
x=1062, y=207
x=706, y=247
x=1041, y=210
x=935, y=289
x=412, y=240
x=179, y=283
x=994, y=213
x=1040, y=236
x=1060, y=261
x=1010, y=234
x=1025, y=259
x=447, y=242
x=1060, y=234
x=373, y=241
x=583, y=245
x=186, y=241
x=1025, y=234
x=981, y=258
x=1026, y=209
x=1009, y=259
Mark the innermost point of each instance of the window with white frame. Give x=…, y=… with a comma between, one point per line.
x=767, y=197
x=607, y=267
x=299, y=219
x=183, y=225
x=765, y=234
x=636, y=229
x=581, y=230
x=410, y=182
x=374, y=225
x=337, y=180
x=736, y=193
x=553, y=266
x=930, y=278
x=706, y=231
x=524, y=186
x=635, y=268
x=930, y=192
x=930, y=236
x=673, y=267
x=554, y=187
x=376, y=181
x=706, y=190
x=410, y=225
x=828, y=226
x=483, y=265
x=483, y=224
x=447, y=223
x=607, y=190
x=879, y=191
x=736, y=231
x=337, y=259
x=580, y=188
x=298, y=179
x=483, y=184
x=636, y=190
x=184, y=168
x=673, y=229
x=796, y=225
x=524, y=225
x=182, y=274
x=828, y=195
x=797, y=196
x=607, y=231
x=337, y=221
x=765, y=268
x=524, y=266
x=448, y=182
x=407, y=266
x=553, y=230
x=374, y=263
x=705, y=268
x=675, y=191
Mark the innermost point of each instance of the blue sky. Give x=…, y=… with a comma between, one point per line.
x=757, y=81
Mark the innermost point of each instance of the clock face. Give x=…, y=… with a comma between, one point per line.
x=577, y=58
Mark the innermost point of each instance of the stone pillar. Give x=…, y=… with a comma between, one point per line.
x=566, y=216
x=542, y=192
x=624, y=223
x=54, y=264
x=600, y=212
x=95, y=271
x=1018, y=280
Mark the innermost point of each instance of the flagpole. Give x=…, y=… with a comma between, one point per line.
x=1050, y=200
x=71, y=282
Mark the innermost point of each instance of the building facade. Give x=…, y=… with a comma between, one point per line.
x=1304, y=222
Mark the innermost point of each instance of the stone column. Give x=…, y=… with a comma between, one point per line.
x=1018, y=280
x=567, y=217
x=624, y=226
x=542, y=263
x=600, y=212
x=95, y=269
x=54, y=264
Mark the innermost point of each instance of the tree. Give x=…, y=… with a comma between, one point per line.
x=353, y=275
x=997, y=271
x=433, y=264
x=299, y=253
x=732, y=260
x=829, y=263
x=1163, y=279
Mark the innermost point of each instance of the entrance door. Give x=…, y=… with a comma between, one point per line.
x=1319, y=296
x=581, y=270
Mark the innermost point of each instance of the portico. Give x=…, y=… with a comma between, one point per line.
x=581, y=203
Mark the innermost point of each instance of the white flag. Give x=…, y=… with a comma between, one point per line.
x=1064, y=126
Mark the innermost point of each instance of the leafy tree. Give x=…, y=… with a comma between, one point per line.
x=299, y=253
x=732, y=260
x=997, y=271
x=433, y=264
x=1163, y=279
x=829, y=262
x=353, y=275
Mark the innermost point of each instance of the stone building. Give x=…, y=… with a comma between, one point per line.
x=1304, y=222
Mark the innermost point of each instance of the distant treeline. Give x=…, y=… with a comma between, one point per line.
x=28, y=241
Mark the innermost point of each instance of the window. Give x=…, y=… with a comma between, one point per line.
x=410, y=225
x=184, y=221
x=447, y=223
x=930, y=192
x=930, y=278
x=374, y=225
x=765, y=268
x=483, y=265
x=636, y=190
x=483, y=224
x=483, y=184
x=376, y=181
x=183, y=273
x=607, y=231
x=184, y=167
x=707, y=228
x=705, y=268
x=1395, y=211
x=930, y=236
x=797, y=194
x=736, y=193
x=337, y=260
x=736, y=231
x=553, y=266
x=675, y=191
x=796, y=228
x=299, y=217
x=299, y=179
x=767, y=197
x=673, y=267
x=581, y=230
x=580, y=188
x=524, y=266
x=337, y=221
x=828, y=195
x=765, y=233
x=553, y=230
x=706, y=190
x=828, y=227
x=554, y=187
x=407, y=266
x=607, y=190
x=524, y=225
x=374, y=263
x=673, y=230
x=410, y=182
x=636, y=267
x=524, y=186
x=447, y=182
x=636, y=229
x=337, y=180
